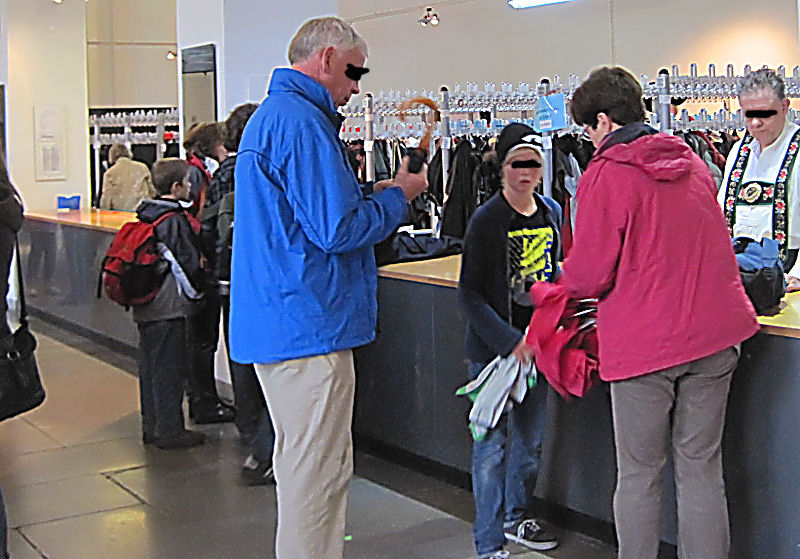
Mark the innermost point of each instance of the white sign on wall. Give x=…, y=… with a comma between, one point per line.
x=50, y=144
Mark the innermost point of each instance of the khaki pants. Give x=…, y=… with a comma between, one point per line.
x=681, y=407
x=310, y=401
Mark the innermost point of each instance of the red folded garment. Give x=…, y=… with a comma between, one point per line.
x=565, y=355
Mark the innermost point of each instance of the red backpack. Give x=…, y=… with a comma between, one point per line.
x=132, y=270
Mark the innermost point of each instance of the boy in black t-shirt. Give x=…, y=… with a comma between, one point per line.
x=512, y=241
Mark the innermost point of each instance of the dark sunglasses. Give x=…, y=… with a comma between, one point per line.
x=525, y=164
x=760, y=114
x=355, y=73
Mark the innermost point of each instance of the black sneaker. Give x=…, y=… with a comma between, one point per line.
x=203, y=413
x=257, y=473
x=531, y=534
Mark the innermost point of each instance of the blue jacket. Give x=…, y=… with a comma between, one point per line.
x=303, y=276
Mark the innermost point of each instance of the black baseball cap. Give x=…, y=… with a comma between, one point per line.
x=517, y=136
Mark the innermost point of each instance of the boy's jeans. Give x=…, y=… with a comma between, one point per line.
x=505, y=466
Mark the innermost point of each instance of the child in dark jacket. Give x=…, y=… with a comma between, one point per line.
x=162, y=322
x=512, y=241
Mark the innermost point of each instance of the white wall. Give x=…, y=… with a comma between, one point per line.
x=252, y=38
x=257, y=36
x=128, y=42
x=200, y=22
x=486, y=40
x=46, y=65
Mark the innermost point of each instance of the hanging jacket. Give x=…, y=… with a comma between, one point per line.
x=651, y=243
x=716, y=157
x=303, y=277
x=435, y=184
x=462, y=196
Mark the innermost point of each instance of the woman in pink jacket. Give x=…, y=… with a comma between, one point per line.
x=652, y=244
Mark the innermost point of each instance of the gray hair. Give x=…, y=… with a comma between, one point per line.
x=116, y=151
x=760, y=80
x=319, y=33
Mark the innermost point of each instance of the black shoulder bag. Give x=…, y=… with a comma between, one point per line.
x=20, y=385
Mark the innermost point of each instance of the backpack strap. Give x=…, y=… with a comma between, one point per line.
x=23, y=309
x=163, y=217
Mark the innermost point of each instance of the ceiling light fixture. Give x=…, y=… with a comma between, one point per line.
x=57, y=1
x=429, y=17
x=522, y=4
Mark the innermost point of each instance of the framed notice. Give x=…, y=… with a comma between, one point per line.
x=50, y=145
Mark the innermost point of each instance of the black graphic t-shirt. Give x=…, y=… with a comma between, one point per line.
x=529, y=246
x=505, y=252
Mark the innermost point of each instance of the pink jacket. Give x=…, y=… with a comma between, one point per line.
x=565, y=353
x=651, y=242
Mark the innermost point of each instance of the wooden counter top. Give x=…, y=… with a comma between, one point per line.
x=787, y=322
x=440, y=271
x=445, y=271
x=99, y=220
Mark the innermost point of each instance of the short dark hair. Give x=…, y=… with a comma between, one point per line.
x=234, y=125
x=203, y=137
x=167, y=172
x=610, y=90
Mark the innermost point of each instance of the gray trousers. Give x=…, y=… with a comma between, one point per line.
x=310, y=401
x=682, y=410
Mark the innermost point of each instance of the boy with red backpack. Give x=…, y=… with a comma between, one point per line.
x=162, y=321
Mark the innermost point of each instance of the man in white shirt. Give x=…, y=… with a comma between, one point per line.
x=760, y=192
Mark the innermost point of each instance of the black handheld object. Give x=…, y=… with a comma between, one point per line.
x=416, y=159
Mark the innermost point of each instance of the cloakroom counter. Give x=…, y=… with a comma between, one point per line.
x=445, y=272
x=442, y=271
x=99, y=220
x=406, y=380
x=405, y=401
x=61, y=254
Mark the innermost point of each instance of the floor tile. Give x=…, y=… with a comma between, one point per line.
x=141, y=533
x=72, y=461
x=86, y=400
x=19, y=436
x=384, y=524
x=201, y=494
x=44, y=502
x=20, y=548
x=79, y=484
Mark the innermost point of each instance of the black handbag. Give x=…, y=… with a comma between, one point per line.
x=762, y=274
x=20, y=385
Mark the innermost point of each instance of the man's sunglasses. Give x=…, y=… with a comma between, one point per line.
x=760, y=113
x=525, y=164
x=355, y=73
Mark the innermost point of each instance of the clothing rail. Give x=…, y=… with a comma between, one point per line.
x=712, y=87
x=722, y=120
x=469, y=99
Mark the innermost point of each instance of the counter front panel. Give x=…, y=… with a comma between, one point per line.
x=406, y=380
x=61, y=258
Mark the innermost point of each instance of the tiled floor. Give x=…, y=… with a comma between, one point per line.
x=79, y=484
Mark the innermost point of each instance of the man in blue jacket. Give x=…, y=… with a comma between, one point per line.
x=303, y=279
